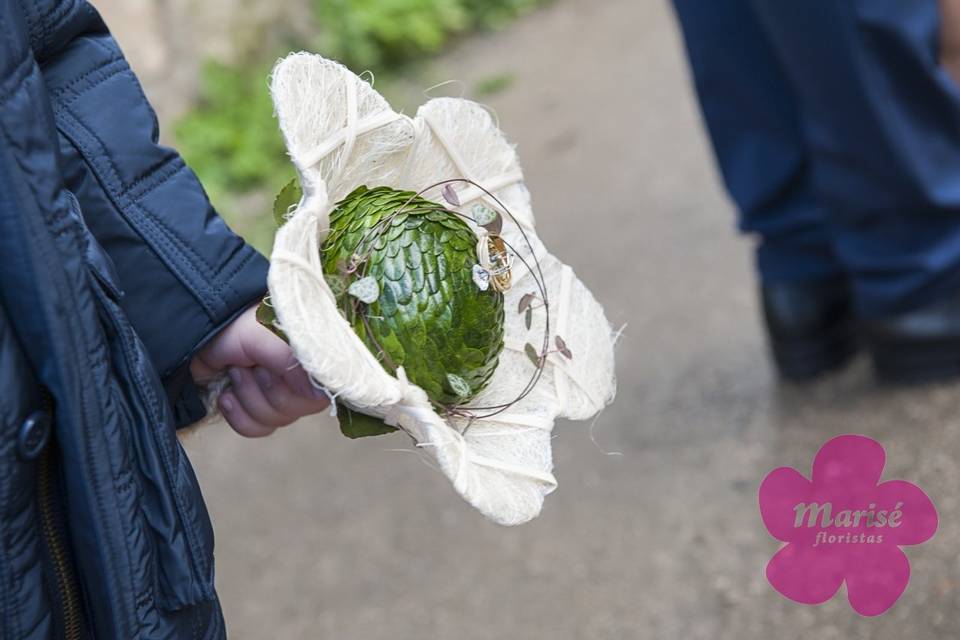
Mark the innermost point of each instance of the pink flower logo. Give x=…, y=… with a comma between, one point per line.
x=844, y=525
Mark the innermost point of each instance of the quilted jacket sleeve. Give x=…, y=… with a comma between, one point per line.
x=184, y=274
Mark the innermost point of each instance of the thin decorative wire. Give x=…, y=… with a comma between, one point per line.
x=367, y=244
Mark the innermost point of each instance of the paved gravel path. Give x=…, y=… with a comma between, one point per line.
x=321, y=537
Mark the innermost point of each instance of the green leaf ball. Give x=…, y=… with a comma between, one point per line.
x=430, y=317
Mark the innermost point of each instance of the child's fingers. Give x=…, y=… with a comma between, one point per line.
x=251, y=397
x=245, y=343
x=201, y=372
x=262, y=347
x=284, y=399
x=299, y=381
x=240, y=420
x=269, y=351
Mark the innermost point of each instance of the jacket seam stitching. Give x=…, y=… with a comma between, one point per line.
x=169, y=237
x=172, y=168
x=160, y=234
x=76, y=93
x=115, y=56
x=218, y=283
x=220, y=278
x=243, y=262
x=182, y=249
x=154, y=177
x=33, y=23
x=120, y=193
x=88, y=154
x=53, y=19
x=151, y=217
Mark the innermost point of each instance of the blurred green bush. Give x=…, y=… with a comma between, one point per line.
x=230, y=137
x=370, y=34
x=376, y=34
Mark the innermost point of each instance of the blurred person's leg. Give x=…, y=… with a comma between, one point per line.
x=755, y=126
x=883, y=126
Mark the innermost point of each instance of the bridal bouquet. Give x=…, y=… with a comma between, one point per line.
x=409, y=280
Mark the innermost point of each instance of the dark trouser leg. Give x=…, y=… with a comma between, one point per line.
x=882, y=123
x=754, y=123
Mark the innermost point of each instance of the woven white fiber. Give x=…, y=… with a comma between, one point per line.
x=341, y=134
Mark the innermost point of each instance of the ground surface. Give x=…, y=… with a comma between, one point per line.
x=321, y=537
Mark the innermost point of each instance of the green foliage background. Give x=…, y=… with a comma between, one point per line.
x=231, y=139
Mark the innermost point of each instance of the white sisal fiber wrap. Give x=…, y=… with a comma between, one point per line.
x=341, y=134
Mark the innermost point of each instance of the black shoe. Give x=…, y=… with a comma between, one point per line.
x=917, y=346
x=811, y=326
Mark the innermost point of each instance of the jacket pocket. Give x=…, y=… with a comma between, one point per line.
x=170, y=502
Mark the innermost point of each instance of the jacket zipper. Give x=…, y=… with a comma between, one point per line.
x=65, y=582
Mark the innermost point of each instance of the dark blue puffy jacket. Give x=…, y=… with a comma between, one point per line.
x=114, y=269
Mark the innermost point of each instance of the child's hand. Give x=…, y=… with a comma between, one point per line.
x=268, y=388
x=950, y=37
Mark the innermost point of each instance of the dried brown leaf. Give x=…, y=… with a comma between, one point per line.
x=525, y=301
x=450, y=195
